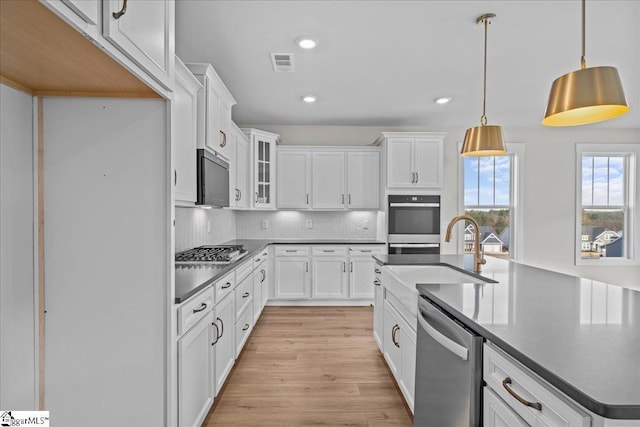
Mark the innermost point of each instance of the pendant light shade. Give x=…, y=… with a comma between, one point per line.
x=588, y=95
x=585, y=96
x=483, y=140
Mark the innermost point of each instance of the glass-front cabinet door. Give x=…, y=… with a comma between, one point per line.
x=264, y=159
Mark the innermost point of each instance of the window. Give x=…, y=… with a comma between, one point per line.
x=604, y=203
x=489, y=196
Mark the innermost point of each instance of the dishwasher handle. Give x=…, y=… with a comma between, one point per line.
x=455, y=348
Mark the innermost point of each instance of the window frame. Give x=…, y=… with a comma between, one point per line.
x=516, y=150
x=630, y=152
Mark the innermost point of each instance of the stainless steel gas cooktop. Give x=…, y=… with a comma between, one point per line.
x=211, y=255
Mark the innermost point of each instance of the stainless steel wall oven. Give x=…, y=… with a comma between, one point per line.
x=414, y=224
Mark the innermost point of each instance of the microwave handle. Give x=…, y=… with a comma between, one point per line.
x=414, y=245
x=414, y=205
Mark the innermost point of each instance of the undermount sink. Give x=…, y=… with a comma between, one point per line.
x=401, y=280
x=412, y=274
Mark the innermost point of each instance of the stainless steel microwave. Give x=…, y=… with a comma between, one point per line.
x=213, y=180
x=414, y=224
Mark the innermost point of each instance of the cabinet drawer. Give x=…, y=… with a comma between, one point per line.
x=244, y=271
x=194, y=309
x=502, y=373
x=366, y=250
x=244, y=296
x=225, y=285
x=258, y=259
x=243, y=329
x=292, y=250
x=329, y=250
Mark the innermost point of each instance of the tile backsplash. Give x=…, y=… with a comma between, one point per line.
x=197, y=226
x=294, y=225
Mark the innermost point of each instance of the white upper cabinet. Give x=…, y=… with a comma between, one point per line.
x=294, y=179
x=184, y=129
x=328, y=180
x=263, y=168
x=240, y=192
x=214, y=111
x=143, y=30
x=414, y=159
x=363, y=179
x=322, y=178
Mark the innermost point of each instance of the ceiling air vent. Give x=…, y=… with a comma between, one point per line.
x=282, y=62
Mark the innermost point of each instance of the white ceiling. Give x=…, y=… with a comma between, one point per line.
x=381, y=63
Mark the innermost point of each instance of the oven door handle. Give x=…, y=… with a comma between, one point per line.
x=414, y=205
x=453, y=347
x=414, y=245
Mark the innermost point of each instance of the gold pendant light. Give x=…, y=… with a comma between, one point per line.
x=589, y=95
x=483, y=140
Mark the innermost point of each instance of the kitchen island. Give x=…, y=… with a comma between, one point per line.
x=579, y=335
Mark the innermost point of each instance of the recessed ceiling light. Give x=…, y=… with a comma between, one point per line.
x=306, y=42
x=309, y=99
x=442, y=100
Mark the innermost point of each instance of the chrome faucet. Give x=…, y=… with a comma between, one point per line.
x=478, y=260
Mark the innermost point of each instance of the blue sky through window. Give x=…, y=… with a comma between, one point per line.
x=487, y=181
x=602, y=181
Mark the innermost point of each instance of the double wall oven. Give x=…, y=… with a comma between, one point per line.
x=414, y=224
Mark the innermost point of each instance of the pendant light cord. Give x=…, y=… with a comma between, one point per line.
x=483, y=118
x=583, y=61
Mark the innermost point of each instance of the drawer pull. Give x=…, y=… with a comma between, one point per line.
x=201, y=308
x=245, y=295
x=365, y=250
x=395, y=329
x=264, y=275
x=328, y=250
x=377, y=271
x=121, y=12
x=534, y=405
x=291, y=250
x=257, y=260
x=246, y=326
x=376, y=282
x=228, y=285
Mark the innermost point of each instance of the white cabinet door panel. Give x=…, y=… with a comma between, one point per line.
x=428, y=162
x=400, y=162
x=363, y=175
x=292, y=278
x=143, y=33
x=329, y=277
x=225, y=344
x=378, y=316
x=361, y=277
x=328, y=180
x=294, y=179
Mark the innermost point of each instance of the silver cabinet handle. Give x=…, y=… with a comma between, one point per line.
x=245, y=295
x=217, y=333
x=343, y=199
x=291, y=250
x=307, y=266
x=228, y=285
x=351, y=266
x=417, y=177
x=534, y=405
x=246, y=326
x=201, y=308
x=344, y=267
x=175, y=177
x=264, y=275
x=121, y=12
x=349, y=198
x=307, y=199
x=256, y=197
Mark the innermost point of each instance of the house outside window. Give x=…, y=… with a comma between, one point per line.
x=605, y=203
x=490, y=189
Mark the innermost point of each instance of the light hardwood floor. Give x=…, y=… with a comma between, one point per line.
x=307, y=366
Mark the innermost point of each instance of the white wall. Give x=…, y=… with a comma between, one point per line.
x=18, y=352
x=549, y=186
x=292, y=225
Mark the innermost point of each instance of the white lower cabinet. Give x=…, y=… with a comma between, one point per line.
x=260, y=289
x=496, y=413
x=330, y=278
x=507, y=378
x=225, y=343
x=392, y=353
x=378, y=309
x=361, y=277
x=195, y=372
x=292, y=277
x=243, y=329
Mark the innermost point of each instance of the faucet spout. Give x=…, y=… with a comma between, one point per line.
x=478, y=260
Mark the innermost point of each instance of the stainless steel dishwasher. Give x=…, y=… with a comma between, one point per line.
x=448, y=371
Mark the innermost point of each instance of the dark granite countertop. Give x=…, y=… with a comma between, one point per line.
x=191, y=279
x=582, y=336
